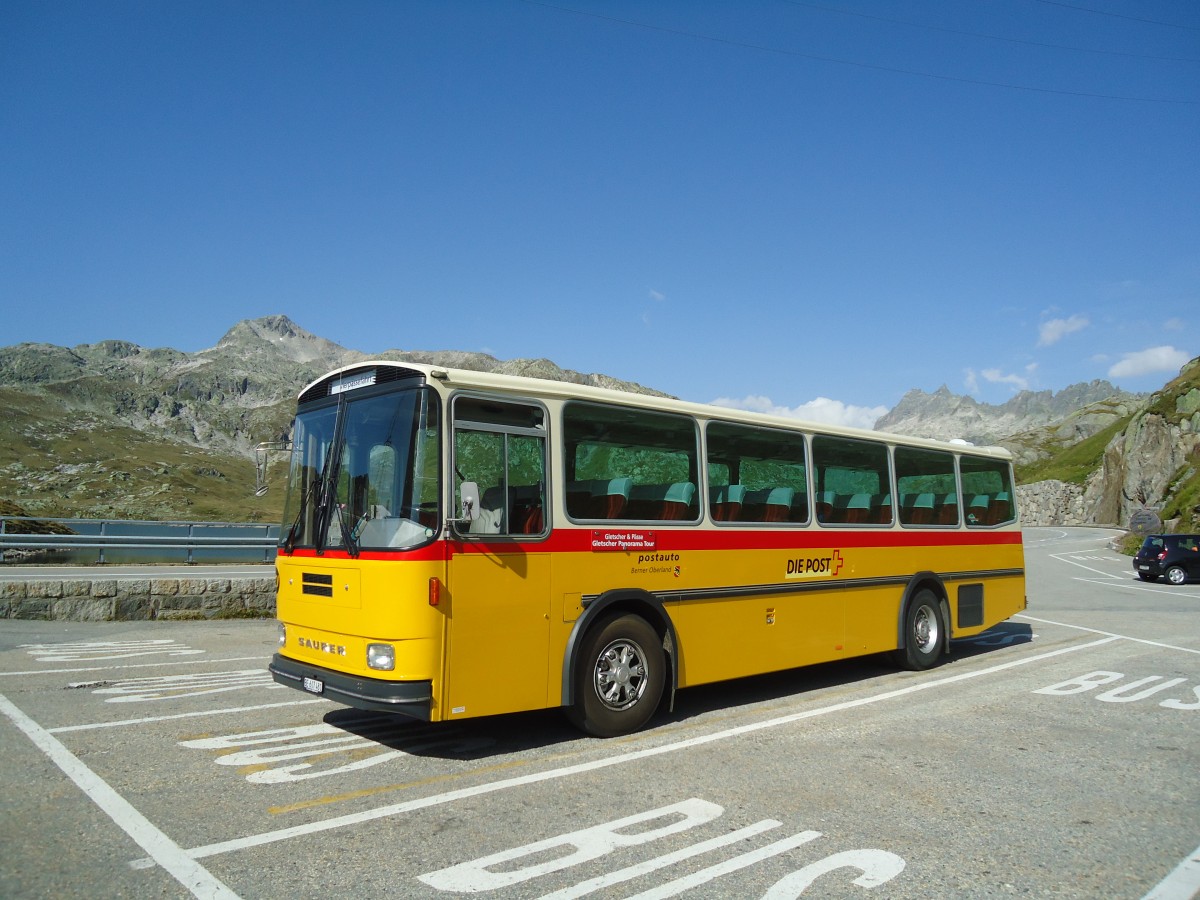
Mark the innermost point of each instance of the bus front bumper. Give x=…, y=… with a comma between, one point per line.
x=405, y=698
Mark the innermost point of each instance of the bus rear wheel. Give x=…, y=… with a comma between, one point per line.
x=620, y=677
x=922, y=633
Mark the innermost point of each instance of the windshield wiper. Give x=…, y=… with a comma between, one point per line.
x=289, y=544
x=349, y=538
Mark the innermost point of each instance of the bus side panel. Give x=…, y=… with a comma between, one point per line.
x=873, y=616
x=747, y=634
x=1003, y=595
x=723, y=639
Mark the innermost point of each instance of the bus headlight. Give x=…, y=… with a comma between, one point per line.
x=381, y=656
x=282, y=635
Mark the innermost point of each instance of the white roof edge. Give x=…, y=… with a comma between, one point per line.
x=566, y=390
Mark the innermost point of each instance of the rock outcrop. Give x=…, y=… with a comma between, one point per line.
x=1153, y=462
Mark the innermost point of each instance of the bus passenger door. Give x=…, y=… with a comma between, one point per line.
x=499, y=633
x=498, y=573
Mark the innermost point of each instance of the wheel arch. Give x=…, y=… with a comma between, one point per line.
x=924, y=581
x=611, y=604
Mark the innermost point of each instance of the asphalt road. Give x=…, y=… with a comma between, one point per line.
x=1056, y=756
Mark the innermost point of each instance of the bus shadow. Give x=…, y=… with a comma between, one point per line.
x=495, y=736
x=776, y=686
x=1006, y=634
x=471, y=739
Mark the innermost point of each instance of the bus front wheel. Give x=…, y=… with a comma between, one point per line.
x=922, y=633
x=620, y=677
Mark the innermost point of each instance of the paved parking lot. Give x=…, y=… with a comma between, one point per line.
x=1055, y=756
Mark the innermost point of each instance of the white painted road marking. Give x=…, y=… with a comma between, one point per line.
x=92, y=651
x=1120, y=637
x=283, y=834
x=1182, y=884
x=164, y=851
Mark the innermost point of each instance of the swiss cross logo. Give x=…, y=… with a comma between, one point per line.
x=837, y=561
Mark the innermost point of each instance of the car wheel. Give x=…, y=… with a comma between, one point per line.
x=1176, y=575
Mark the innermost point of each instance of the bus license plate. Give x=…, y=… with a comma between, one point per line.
x=314, y=685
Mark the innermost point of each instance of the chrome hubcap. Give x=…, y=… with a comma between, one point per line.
x=925, y=629
x=620, y=676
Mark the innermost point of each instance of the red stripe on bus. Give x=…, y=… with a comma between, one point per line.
x=579, y=540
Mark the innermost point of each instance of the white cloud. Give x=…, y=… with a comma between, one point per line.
x=1054, y=330
x=657, y=296
x=824, y=410
x=1146, y=362
x=995, y=376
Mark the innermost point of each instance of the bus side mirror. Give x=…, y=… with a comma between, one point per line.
x=469, y=495
x=261, y=452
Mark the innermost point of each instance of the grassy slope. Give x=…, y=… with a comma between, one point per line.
x=55, y=462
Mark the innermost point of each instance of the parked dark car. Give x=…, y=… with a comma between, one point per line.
x=1173, y=556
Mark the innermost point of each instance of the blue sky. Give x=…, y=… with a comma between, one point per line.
x=793, y=206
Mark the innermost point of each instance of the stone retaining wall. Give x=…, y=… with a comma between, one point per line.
x=126, y=599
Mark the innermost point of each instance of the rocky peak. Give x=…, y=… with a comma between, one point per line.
x=280, y=336
x=946, y=415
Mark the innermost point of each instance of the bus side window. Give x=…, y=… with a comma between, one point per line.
x=853, y=478
x=922, y=477
x=987, y=491
x=761, y=475
x=501, y=446
x=630, y=465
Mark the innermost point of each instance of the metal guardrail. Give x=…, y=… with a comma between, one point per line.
x=137, y=540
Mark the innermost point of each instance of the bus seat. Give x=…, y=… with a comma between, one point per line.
x=948, y=510
x=779, y=504
x=768, y=505
x=858, y=509
x=677, y=502
x=825, y=503
x=609, y=497
x=979, y=512
x=1001, y=508
x=799, y=510
x=579, y=498
x=645, y=500
x=726, y=501
x=883, y=509
x=661, y=502
x=529, y=519
x=921, y=511
x=525, y=503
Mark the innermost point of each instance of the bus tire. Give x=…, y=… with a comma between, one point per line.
x=619, y=677
x=922, y=633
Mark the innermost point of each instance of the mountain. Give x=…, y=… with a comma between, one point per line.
x=948, y=416
x=115, y=430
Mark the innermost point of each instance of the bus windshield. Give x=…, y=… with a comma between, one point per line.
x=364, y=474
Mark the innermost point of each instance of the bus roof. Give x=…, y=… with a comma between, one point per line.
x=523, y=385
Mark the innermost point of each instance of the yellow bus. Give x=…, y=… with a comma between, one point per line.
x=460, y=544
